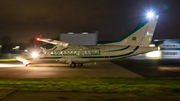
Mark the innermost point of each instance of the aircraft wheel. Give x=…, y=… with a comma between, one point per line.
x=72, y=65
x=25, y=64
x=80, y=64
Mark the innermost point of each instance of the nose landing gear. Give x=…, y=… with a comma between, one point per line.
x=25, y=63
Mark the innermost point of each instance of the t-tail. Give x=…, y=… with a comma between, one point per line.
x=141, y=36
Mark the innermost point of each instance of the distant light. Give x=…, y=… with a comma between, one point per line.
x=150, y=15
x=156, y=40
x=17, y=47
x=26, y=50
x=152, y=45
x=34, y=55
x=37, y=39
x=154, y=54
x=85, y=33
x=70, y=33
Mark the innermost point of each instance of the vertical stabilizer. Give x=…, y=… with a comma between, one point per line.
x=142, y=35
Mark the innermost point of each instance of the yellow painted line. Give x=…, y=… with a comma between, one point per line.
x=8, y=60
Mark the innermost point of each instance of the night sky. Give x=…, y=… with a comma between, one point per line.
x=113, y=19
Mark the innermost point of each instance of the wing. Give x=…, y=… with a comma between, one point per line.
x=55, y=42
x=61, y=44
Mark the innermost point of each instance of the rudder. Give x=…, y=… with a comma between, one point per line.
x=142, y=35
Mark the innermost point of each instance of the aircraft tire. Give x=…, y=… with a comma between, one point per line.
x=73, y=65
x=25, y=64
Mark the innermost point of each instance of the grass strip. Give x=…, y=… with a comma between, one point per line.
x=131, y=86
x=8, y=60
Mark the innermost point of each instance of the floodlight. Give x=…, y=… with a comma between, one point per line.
x=150, y=15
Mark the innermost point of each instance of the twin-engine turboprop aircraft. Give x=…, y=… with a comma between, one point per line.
x=135, y=43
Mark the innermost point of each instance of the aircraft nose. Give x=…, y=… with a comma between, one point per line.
x=19, y=58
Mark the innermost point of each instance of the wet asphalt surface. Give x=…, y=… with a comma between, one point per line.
x=121, y=68
x=152, y=68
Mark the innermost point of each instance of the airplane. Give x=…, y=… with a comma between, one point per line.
x=137, y=42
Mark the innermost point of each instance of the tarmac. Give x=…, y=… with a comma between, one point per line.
x=76, y=96
x=126, y=68
x=101, y=69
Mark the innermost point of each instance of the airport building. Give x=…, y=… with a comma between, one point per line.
x=80, y=38
x=168, y=49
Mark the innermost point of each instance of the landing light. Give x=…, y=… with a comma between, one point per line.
x=34, y=55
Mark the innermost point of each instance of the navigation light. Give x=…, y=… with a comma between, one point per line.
x=37, y=39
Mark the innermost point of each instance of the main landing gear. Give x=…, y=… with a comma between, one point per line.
x=25, y=64
x=73, y=65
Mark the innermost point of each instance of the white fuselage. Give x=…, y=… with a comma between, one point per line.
x=90, y=54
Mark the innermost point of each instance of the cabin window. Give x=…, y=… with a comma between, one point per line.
x=61, y=52
x=71, y=51
x=65, y=52
x=78, y=52
x=51, y=52
x=74, y=51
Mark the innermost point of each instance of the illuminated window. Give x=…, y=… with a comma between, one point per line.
x=170, y=45
x=170, y=53
x=51, y=52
